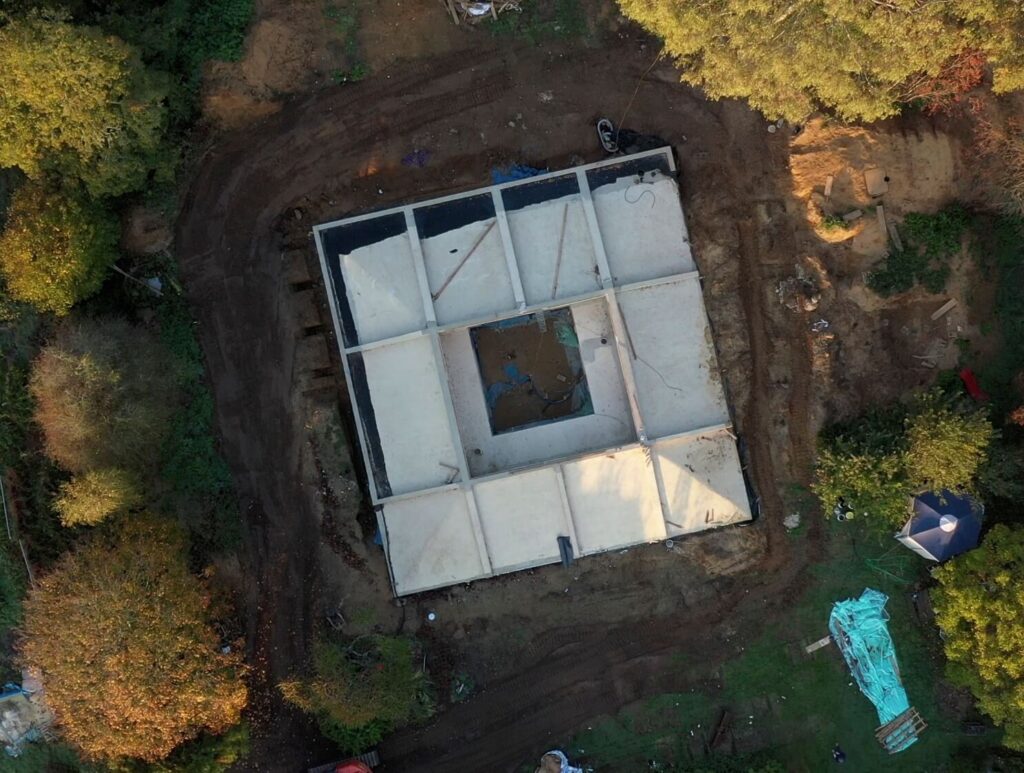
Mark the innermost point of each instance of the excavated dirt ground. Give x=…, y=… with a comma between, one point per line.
x=552, y=648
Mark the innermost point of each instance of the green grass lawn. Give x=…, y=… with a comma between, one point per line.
x=801, y=705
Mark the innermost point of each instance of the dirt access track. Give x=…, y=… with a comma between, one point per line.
x=549, y=649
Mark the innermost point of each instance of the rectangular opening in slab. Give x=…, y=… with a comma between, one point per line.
x=531, y=370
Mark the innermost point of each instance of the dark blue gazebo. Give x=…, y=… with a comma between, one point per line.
x=944, y=524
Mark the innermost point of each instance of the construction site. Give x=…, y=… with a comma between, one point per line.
x=551, y=427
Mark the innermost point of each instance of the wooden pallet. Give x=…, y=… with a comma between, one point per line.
x=894, y=735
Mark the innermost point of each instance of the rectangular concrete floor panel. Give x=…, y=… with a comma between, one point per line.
x=410, y=414
x=643, y=229
x=481, y=286
x=703, y=484
x=382, y=291
x=522, y=517
x=553, y=236
x=609, y=425
x=614, y=500
x=431, y=542
x=678, y=383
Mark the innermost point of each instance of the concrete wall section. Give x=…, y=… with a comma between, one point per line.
x=411, y=415
x=614, y=500
x=380, y=281
x=522, y=517
x=482, y=286
x=678, y=383
x=609, y=425
x=642, y=228
x=537, y=232
x=703, y=484
x=431, y=542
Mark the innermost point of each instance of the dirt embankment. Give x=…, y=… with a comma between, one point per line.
x=550, y=648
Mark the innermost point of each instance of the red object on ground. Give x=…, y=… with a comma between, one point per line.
x=354, y=766
x=971, y=383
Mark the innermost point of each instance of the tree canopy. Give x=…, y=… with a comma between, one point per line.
x=103, y=396
x=56, y=248
x=861, y=58
x=980, y=609
x=78, y=102
x=121, y=633
x=946, y=447
x=879, y=460
x=94, y=496
x=362, y=690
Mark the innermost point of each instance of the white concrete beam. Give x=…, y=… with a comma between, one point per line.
x=509, y=249
x=595, y=231
x=421, y=267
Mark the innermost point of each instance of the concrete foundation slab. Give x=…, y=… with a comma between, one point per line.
x=532, y=361
x=410, y=415
x=704, y=487
x=676, y=371
x=431, y=543
x=522, y=517
x=614, y=500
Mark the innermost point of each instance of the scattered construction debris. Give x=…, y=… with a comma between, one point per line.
x=799, y=293
x=468, y=12
x=876, y=181
x=24, y=715
x=897, y=735
x=852, y=215
x=944, y=309
x=820, y=644
x=556, y=762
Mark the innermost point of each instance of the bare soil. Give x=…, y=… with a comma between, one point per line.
x=548, y=649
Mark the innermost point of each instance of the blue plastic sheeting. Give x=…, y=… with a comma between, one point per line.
x=514, y=172
x=944, y=525
x=859, y=628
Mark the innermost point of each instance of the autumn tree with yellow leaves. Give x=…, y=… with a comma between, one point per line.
x=859, y=58
x=980, y=609
x=56, y=248
x=122, y=635
x=77, y=103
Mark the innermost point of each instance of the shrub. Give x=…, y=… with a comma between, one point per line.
x=207, y=754
x=198, y=481
x=946, y=446
x=103, y=396
x=930, y=241
x=121, y=634
x=878, y=461
x=15, y=410
x=80, y=103
x=1003, y=146
x=362, y=690
x=94, y=496
x=179, y=37
x=12, y=588
x=979, y=607
x=56, y=248
x=874, y=486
